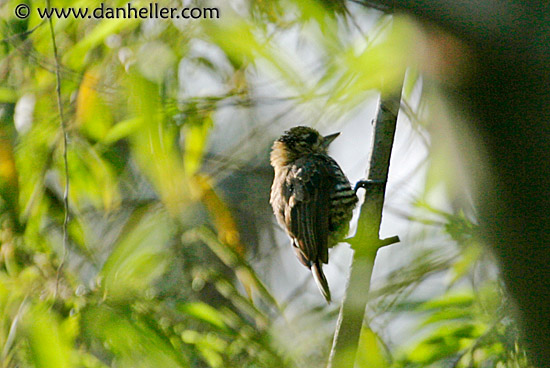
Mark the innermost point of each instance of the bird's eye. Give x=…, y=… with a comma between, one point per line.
x=311, y=138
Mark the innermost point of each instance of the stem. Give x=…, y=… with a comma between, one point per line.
x=366, y=241
x=65, y=161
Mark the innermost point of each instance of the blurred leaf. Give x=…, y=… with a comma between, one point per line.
x=270, y=9
x=449, y=314
x=76, y=56
x=370, y=351
x=33, y=157
x=379, y=66
x=92, y=179
x=154, y=146
x=411, y=80
x=123, y=129
x=139, y=257
x=130, y=339
x=240, y=41
x=9, y=190
x=92, y=114
x=49, y=346
x=204, y=312
x=445, y=341
x=233, y=260
x=231, y=291
x=209, y=346
x=226, y=226
x=7, y=95
x=463, y=265
x=312, y=9
x=457, y=300
x=460, y=228
x=196, y=132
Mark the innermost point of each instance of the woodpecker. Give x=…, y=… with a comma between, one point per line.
x=311, y=197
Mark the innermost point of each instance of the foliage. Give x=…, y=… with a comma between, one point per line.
x=159, y=269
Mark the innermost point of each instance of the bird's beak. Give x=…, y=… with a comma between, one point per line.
x=327, y=140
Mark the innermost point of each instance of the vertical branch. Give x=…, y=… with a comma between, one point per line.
x=65, y=162
x=366, y=241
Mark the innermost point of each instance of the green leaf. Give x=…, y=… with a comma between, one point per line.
x=92, y=178
x=92, y=114
x=457, y=300
x=233, y=260
x=470, y=254
x=370, y=351
x=411, y=79
x=203, y=312
x=209, y=345
x=445, y=341
x=76, y=56
x=49, y=346
x=7, y=95
x=122, y=130
x=140, y=256
x=154, y=146
x=196, y=136
x=130, y=339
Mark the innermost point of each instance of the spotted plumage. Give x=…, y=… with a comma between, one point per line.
x=311, y=197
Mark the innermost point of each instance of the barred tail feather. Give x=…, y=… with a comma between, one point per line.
x=320, y=280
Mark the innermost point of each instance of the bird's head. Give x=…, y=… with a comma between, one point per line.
x=297, y=142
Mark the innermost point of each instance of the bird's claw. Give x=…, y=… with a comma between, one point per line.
x=365, y=183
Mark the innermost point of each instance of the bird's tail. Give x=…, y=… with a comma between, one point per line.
x=320, y=280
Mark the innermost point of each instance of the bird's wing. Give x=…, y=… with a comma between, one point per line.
x=307, y=213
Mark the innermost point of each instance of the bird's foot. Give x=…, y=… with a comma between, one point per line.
x=365, y=183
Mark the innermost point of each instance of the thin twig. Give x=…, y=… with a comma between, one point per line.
x=65, y=161
x=366, y=241
x=21, y=34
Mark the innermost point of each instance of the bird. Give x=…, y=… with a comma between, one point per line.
x=312, y=198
